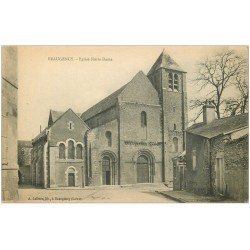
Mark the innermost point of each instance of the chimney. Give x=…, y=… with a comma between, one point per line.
x=208, y=112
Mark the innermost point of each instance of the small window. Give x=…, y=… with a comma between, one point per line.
x=61, y=151
x=79, y=151
x=175, y=144
x=194, y=159
x=70, y=125
x=174, y=126
x=109, y=138
x=71, y=150
x=170, y=82
x=176, y=83
x=174, y=109
x=143, y=119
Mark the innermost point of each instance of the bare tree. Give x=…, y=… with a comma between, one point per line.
x=216, y=74
x=238, y=105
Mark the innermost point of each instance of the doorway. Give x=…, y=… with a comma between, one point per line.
x=71, y=180
x=220, y=176
x=143, y=169
x=106, y=171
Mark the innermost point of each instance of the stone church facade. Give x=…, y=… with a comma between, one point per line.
x=127, y=138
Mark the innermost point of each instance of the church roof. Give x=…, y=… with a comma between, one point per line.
x=166, y=62
x=55, y=115
x=219, y=126
x=111, y=100
x=40, y=135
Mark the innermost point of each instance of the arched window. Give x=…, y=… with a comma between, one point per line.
x=79, y=151
x=61, y=151
x=109, y=138
x=143, y=119
x=175, y=144
x=174, y=126
x=176, y=82
x=170, y=82
x=71, y=150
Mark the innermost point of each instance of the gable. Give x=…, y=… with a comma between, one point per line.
x=55, y=115
x=140, y=90
x=69, y=125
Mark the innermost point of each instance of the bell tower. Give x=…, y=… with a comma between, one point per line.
x=169, y=79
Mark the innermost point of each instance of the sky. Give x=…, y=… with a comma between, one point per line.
x=94, y=73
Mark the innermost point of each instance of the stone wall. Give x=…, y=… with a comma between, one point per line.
x=61, y=173
x=217, y=147
x=24, y=161
x=9, y=123
x=236, y=169
x=98, y=147
x=173, y=117
x=198, y=179
x=60, y=132
x=37, y=163
x=136, y=140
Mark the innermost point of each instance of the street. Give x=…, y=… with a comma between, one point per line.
x=112, y=194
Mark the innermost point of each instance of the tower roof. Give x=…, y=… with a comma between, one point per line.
x=166, y=62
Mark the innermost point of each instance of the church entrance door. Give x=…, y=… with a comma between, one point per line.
x=106, y=171
x=142, y=169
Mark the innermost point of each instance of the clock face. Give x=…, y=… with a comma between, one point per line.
x=70, y=125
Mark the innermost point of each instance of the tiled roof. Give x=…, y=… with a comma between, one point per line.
x=166, y=62
x=55, y=115
x=111, y=100
x=219, y=126
x=40, y=135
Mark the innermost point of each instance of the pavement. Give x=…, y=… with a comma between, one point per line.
x=187, y=197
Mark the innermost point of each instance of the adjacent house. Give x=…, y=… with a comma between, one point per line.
x=217, y=155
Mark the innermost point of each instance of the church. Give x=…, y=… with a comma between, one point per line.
x=129, y=137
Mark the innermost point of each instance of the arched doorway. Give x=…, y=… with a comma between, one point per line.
x=143, y=169
x=71, y=177
x=106, y=170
